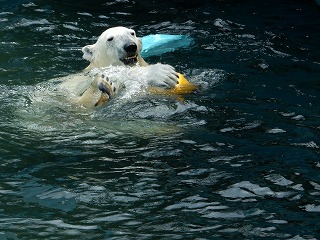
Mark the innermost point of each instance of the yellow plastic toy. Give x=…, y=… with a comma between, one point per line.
x=183, y=86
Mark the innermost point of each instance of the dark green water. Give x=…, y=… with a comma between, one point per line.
x=239, y=160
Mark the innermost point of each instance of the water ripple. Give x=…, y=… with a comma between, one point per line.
x=245, y=189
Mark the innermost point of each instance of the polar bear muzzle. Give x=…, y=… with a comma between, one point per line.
x=132, y=55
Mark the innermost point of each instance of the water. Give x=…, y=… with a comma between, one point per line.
x=240, y=159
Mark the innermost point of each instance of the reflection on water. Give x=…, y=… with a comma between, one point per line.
x=239, y=159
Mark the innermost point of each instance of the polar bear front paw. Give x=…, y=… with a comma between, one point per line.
x=107, y=87
x=162, y=75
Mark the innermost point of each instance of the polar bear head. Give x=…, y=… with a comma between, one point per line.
x=117, y=46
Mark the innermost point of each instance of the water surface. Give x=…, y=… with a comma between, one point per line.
x=239, y=159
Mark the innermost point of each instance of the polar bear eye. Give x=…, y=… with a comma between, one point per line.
x=133, y=33
x=110, y=39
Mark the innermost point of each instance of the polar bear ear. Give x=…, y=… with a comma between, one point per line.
x=87, y=52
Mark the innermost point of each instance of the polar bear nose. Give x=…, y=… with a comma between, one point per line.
x=130, y=48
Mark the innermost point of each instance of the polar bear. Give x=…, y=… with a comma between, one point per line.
x=115, y=62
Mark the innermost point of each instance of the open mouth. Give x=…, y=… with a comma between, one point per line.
x=130, y=60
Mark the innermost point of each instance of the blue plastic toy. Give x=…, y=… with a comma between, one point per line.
x=158, y=44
